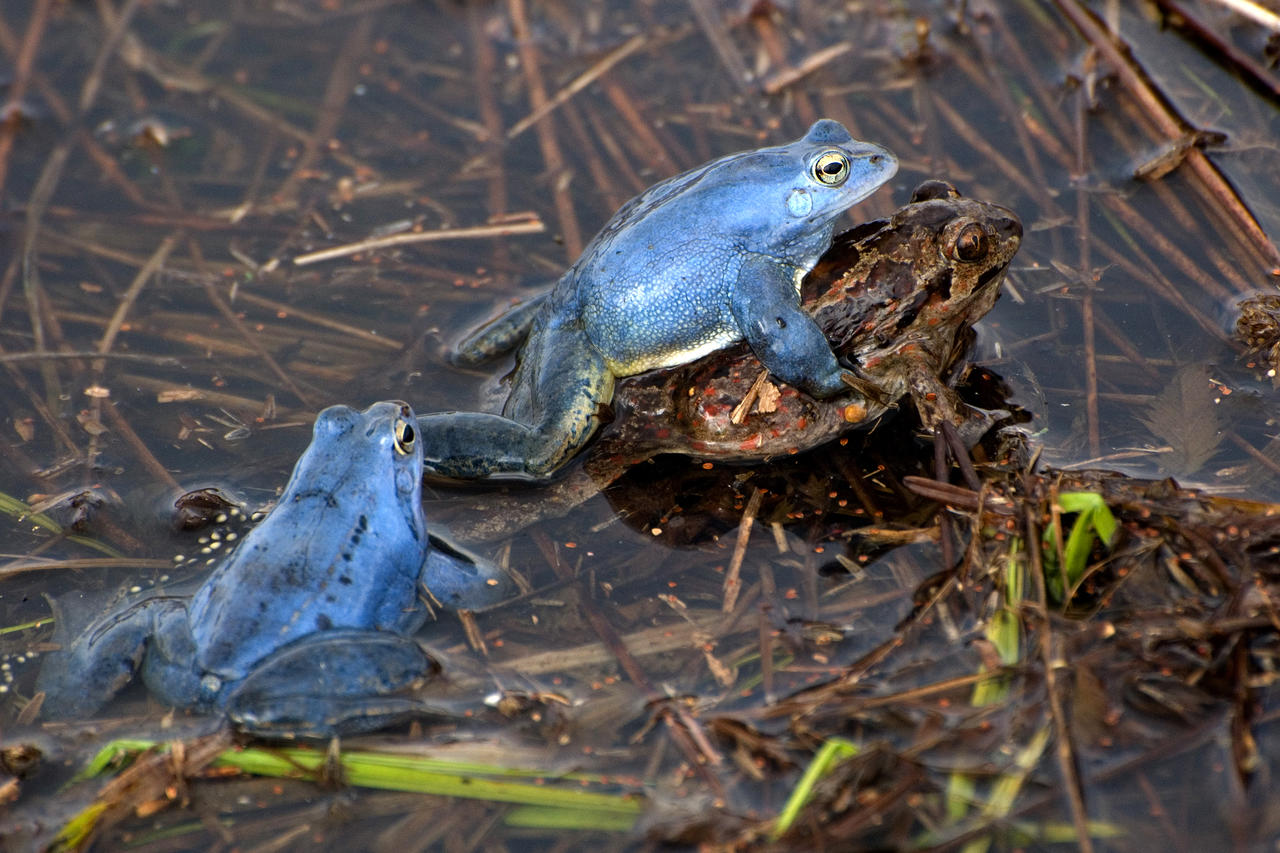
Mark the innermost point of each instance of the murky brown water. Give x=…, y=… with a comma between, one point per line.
x=217, y=146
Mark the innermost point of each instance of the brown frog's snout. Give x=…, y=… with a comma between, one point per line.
x=1008, y=227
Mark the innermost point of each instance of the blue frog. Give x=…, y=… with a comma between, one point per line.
x=699, y=261
x=306, y=628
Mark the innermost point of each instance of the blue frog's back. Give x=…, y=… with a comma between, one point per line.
x=350, y=516
x=654, y=287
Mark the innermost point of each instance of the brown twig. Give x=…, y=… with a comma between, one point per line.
x=1049, y=656
x=1179, y=17
x=643, y=133
x=342, y=75
x=17, y=88
x=484, y=66
x=707, y=14
x=733, y=575
x=1085, y=265
x=537, y=91
x=506, y=229
x=685, y=729
x=121, y=426
x=579, y=83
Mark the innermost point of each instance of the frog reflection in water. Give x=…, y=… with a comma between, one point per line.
x=896, y=296
x=306, y=628
x=699, y=261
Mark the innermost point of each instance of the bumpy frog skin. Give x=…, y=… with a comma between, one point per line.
x=698, y=262
x=306, y=628
x=896, y=296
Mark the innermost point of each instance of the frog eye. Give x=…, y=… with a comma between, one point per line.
x=405, y=437
x=971, y=243
x=831, y=168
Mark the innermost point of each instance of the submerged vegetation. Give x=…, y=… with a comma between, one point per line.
x=221, y=219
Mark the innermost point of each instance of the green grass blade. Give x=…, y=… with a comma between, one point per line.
x=828, y=756
x=538, y=817
x=549, y=805
x=21, y=510
x=370, y=770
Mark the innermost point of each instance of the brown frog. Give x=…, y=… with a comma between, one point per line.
x=894, y=297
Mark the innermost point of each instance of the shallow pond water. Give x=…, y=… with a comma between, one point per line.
x=162, y=204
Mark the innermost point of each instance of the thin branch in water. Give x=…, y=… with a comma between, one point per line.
x=125, y=430
x=579, y=83
x=733, y=575
x=551, y=154
x=337, y=93
x=211, y=292
x=1049, y=656
x=149, y=269
x=506, y=229
x=17, y=88
x=20, y=357
x=707, y=14
x=775, y=83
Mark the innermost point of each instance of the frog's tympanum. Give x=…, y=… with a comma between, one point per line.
x=698, y=262
x=897, y=297
x=306, y=628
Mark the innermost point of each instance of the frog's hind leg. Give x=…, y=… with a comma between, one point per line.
x=499, y=336
x=553, y=412
x=337, y=682
x=93, y=665
x=170, y=669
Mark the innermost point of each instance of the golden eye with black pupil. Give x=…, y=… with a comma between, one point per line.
x=405, y=437
x=971, y=243
x=831, y=169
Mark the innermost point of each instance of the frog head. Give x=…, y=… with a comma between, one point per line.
x=784, y=201
x=370, y=462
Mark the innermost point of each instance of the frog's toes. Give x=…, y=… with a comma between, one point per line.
x=868, y=389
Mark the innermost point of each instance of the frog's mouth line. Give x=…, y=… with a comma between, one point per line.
x=990, y=275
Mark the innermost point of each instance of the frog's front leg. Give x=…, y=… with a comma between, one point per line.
x=783, y=335
x=460, y=579
x=336, y=682
x=96, y=663
x=554, y=409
